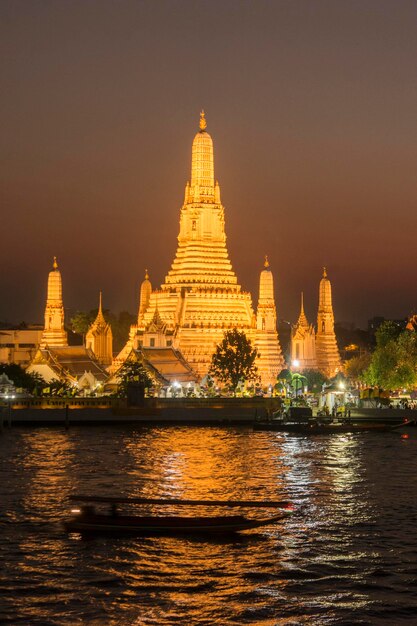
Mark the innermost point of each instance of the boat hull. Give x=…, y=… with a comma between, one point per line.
x=98, y=523
x=322, y=429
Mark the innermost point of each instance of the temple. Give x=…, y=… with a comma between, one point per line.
x=200, y=298
x=327, y=352
x=54, y=333
x=77, y=366
x=99, y=338
x=303, y=343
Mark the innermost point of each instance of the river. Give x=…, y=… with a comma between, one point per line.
x=348, y=554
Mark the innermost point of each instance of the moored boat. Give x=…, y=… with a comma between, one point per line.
x=314, y=427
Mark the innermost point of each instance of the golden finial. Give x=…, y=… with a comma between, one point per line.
x=100, y=304
x=55, y=264
x=266, y=264
x=146, y=275
x=203, y=122
x=324, y=272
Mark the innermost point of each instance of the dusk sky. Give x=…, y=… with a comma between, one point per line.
x=312, y=107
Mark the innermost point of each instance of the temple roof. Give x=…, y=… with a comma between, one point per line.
x=170, y=363
x=70, y=362
x=302, y=320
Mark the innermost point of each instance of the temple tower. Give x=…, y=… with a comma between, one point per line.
x=270, y=361
x=200, y=298
x=54, y=334
x=145, y=294
x=99, y=338
x=303, y=342
x=327, y=352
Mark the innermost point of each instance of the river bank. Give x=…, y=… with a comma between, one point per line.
x=204, y=411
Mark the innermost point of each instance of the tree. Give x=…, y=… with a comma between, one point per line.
x=120, y=324
x=298, y=381
x=58, y=387
x=21, y=379
x=132, y=371
x=387, y=332
x=234, y=359
x=315, y=379
x=394, y=363
x=356, y=367
x=81, y=321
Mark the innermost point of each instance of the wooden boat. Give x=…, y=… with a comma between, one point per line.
x=86, y=520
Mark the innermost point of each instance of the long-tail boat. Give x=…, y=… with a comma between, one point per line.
x=85, y=518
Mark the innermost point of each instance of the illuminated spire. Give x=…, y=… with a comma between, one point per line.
x=266, y=339
x=100, y=317
x=145, y=294
x=202, y=166
x=302, y=319
x=328, y=358
x=54, y=333
x=266, y=286
x=203, y=122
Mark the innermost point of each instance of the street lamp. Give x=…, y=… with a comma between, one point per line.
x=296, y=365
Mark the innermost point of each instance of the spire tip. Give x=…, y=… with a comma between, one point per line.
x=266, y=264
x=55, y=264
x=203, y=121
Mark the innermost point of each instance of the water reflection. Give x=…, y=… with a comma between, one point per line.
x=333, y=560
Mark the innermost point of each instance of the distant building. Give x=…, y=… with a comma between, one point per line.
x=75, y=365
x=318, y=349
x=55, y=359
x=303, y=343
x=19, y=345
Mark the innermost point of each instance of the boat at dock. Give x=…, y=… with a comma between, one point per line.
x=319, y=426
x=85, y=518
x=300, y=419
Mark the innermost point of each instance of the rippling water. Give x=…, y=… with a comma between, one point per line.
x=347, y=556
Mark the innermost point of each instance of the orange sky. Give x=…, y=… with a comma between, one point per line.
x=312, y=109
